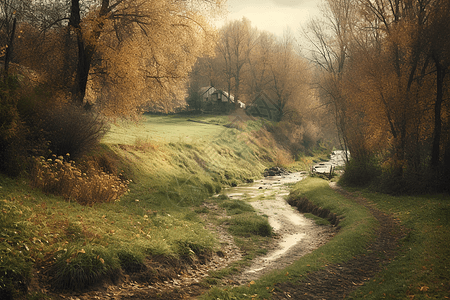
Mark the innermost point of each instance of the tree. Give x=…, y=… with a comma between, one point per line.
x=161, y=39
x=330, y=40
x=288, y=76
x=385, y=71
x=439, y=44
x=120, y=54
x=236, y=42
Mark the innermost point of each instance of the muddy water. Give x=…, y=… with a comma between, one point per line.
x=295, y=234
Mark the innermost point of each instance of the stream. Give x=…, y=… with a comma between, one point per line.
x=295, y=234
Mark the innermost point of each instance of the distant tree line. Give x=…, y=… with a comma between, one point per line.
x=247, y=62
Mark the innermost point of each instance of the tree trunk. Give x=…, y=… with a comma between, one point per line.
x=435, y=151
x=85, y=51
x=9, y=49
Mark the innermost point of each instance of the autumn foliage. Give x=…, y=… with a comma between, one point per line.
x=383, y=67
x=60, y=176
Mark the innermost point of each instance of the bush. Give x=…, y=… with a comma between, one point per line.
x=76, y=269
x=360, y=172
x=61, y=177
x=70, y=129
x=12, y=130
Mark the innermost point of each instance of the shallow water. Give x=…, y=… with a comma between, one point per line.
x=295, y=231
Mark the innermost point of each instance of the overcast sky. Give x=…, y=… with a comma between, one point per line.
x=273, y=15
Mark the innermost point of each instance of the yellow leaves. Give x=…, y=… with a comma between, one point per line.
x=149, y=61
x=100, y=259
x=424, y=288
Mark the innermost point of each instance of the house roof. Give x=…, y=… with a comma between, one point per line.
x=206, y=89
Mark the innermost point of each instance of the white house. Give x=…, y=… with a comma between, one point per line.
x=210, y=93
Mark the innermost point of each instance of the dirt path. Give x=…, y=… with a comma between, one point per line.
x=339, y=280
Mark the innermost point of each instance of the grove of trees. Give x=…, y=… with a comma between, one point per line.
x=246, y=63
x=383, y=67
x=98, y=51
x=113, y=57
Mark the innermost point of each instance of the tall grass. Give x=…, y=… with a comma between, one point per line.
x=59, y=176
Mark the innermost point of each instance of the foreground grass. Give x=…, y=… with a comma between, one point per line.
x=422, y=268
x=38, y=228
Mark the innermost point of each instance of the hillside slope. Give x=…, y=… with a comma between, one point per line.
x=49, y=244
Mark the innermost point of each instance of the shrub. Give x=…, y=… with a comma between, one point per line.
x=12, y=130
x=70, y=129
x=61, y=177
x=360, y=172
x=76, y=269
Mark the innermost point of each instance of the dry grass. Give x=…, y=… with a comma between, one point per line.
x=61, y=177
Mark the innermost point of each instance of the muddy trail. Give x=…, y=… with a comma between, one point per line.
x=295, y=235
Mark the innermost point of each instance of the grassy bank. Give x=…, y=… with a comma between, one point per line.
x=174, y=163
x=422, y=268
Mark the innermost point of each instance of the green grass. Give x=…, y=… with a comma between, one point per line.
x=243, y=221
x=166, y=129
x=180, y=172
x=36, y=228
x=422, y=268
